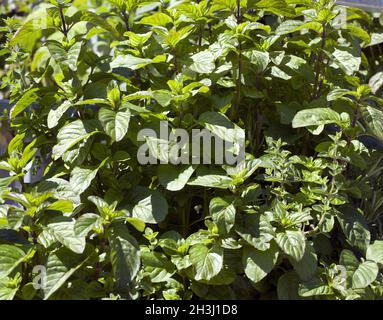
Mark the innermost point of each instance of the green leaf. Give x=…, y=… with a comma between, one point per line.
x=57, y=51
x=162, y=149
x=258, y=264
x=203, y=62
x=354, y=227
x=174, y=36
x=85, y=223
x=307, y=266
x=26, y=100
x=158, y=266
x=65, y=58
x=10, y=258
x=347, y=60
x=61, y=205
x=348, y=259
x=222, y=127
x=375, y=252
x=147, y=205
x=255, y=230
x=60, y=188
x=223, y=214
x=27, y=155
x=359, y=33
x=138, y=40
x=6, y=182
x=77, y=155
x=376, y=82
x=338, y=93
x=288, y=285
x=73, y=55
x=259, y=60
x=135, y=63
x=174, y=178
x=71, y=134
x=98, y=21
x=7, y=289
x=293, y=243
x=55, y=115
x=316, y=117
x=351, y=263
x=365, y=275
x=157, y=19
x=60, y=266
x=124, y=255
x=212, y=181
x=290, y=26
x=374, y=120
x=207, y=262
x=81, y=179
x=138, y=224
x=115, y=124
x=29, y=33
x=62, y=228
x=314, y=287
x=225, y=277
x=278, y=7
x=244, y=169
x=28, y=291
x=102, y=206
x=15, y=144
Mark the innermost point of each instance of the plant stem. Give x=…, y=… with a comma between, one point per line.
x=238, y=85
x=234, y=110
x=126, y=19
x=259, y=120
x=210, y=31
x=198, y=221
x=355, y=116
x=319, y=64
x=64, y=26
x=321, y=81
x=200, y=36
x=317, y=228
x=238, y=13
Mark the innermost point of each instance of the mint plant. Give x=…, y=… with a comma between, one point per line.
x=300, y=217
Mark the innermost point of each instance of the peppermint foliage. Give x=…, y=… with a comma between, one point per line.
x=299, y=218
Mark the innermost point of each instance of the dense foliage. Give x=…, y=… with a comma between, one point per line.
x=300, y=218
